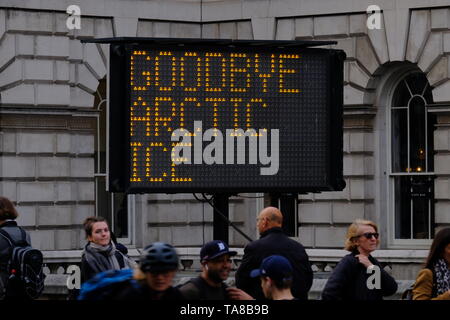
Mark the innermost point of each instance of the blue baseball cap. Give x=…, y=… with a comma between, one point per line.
x=275, y=267
x=214, y=249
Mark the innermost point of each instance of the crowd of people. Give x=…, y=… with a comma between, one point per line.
x=273, y=267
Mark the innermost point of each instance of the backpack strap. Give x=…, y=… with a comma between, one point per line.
x=120, y=259
x=24, y=237
x=8, y=238
x=6, y=266
x=22, y=242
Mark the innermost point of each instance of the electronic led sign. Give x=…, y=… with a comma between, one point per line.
x=224, y=118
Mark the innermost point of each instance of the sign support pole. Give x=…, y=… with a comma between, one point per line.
x=287, y=203
x=220, y=225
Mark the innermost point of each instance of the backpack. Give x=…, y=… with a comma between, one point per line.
x=24, y=268
x=408, y=293
x=104, y=284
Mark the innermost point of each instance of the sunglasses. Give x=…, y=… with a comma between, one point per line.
x=369, y=235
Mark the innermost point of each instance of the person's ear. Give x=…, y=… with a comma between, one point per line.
x=264, y=222
x=263, y=281
x=355, y=241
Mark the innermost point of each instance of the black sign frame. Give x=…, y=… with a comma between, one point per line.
x=119, y=153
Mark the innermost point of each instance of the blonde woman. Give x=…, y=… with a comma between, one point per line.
x=349, y=279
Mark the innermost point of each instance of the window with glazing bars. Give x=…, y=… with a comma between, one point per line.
x=412, y=152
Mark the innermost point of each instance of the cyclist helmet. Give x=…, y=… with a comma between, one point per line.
x=158, y=257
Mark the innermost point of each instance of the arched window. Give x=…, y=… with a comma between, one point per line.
x=412, y=151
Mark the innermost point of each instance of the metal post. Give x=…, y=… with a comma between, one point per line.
x=288, y=207
x=287, y=203
x=220, y=225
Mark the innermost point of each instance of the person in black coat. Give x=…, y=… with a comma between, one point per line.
x=350, y=279
x=274, y=241
x=8, y=289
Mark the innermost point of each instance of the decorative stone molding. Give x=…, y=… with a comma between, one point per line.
x=45, y=122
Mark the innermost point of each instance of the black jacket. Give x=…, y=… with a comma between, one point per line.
x=198, y=289
x=348, y=281
x=15, y=290
x=274, y=241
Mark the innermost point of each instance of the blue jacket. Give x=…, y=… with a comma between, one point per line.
x=348, y=281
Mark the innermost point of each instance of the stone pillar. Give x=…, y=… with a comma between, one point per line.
x=442, y=168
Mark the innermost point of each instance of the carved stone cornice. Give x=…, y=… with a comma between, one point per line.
x=47, y=122
x=359, y=117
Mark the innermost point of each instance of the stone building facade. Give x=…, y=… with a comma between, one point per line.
x=53, y=129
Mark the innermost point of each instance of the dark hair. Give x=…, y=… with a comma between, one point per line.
x=441, y=240
x=89, y=223
x=7, y=210
x=281, y=284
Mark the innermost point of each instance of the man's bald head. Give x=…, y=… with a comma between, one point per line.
x=268, y=218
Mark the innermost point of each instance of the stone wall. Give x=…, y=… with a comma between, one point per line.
x=325, y=217
x=47, y=83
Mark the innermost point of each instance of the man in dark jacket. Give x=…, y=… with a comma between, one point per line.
x=215, y=258
x=274, y=242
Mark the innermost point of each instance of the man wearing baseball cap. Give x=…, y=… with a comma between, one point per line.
x=276, y=277
x=215, y=258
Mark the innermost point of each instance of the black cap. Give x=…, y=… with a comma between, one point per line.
x=214, y=249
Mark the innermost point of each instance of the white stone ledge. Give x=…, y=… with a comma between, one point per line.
x=325, y=255
x=400, y=256
x=67, y=256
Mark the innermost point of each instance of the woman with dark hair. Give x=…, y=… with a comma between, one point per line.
x=9, y=230
x=100, y=253
x=433, y=281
